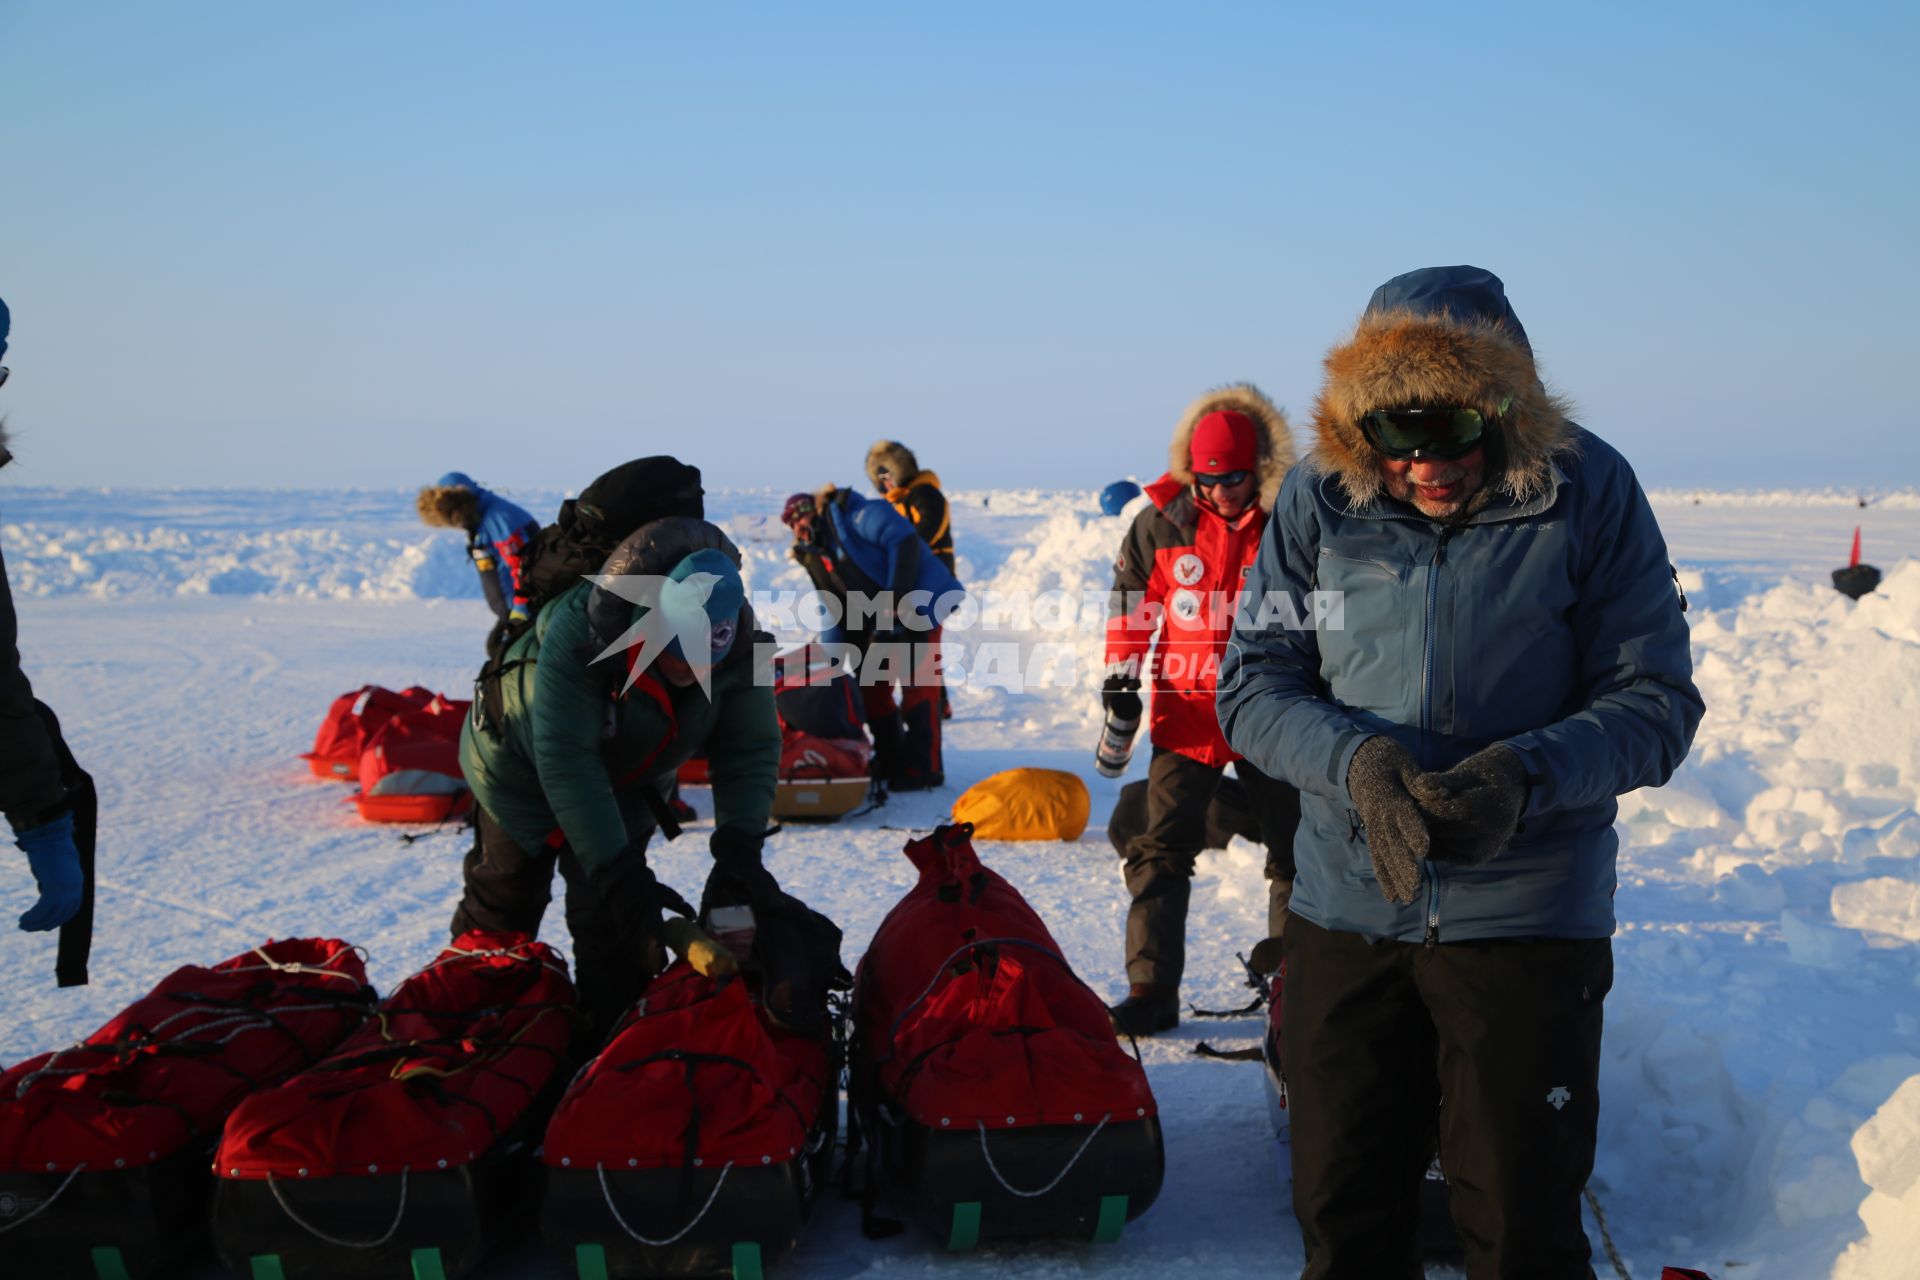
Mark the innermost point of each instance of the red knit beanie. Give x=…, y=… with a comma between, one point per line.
x=1224, y=440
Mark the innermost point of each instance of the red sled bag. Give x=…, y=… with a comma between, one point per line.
x=410, y=771
x=821, y=779
x=696, y=1143
x=985, y=1079
x=352, y=721
x=104, y=1146
x=404, y=1148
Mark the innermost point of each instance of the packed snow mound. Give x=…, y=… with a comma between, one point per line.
x=1888, y=1149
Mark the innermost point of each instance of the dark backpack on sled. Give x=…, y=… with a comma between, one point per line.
x=579, y=541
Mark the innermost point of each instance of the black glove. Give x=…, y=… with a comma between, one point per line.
x=795, y=948
x=1380, y=781
x=738, y=877
x=1474, y=808
x=630, y=899
x=1120, y=696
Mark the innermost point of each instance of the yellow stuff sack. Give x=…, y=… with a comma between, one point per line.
x=1026, y=804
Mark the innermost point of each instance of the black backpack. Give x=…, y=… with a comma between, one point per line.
x=578, y=543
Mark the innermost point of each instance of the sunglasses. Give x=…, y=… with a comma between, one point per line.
x=1448, y=431
x=1225, y=479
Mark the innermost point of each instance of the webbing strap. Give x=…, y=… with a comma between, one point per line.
x=1113, y=1217
x=590, y=1261
x=427, y=1265
x=746, y=1261
x=266, y=1266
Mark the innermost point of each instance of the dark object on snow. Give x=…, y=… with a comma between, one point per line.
x=698, y=1140
x=1856, y=579
x=988, y=1098
x=105, y=1146
x=1115, y=497
x=402, y=1152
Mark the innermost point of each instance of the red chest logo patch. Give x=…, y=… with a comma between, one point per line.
x=1188, y=569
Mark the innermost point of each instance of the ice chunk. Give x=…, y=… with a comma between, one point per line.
x=1881, y=905
x=1820, y=946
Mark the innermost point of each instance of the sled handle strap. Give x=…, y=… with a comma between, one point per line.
x=323, y=1237
x=46, y=1204
x=606, y=1193
x=1065, y=1169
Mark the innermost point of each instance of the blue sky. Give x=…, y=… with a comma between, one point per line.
x=365, y=243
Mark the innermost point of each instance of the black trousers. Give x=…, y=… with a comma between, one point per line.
x=508, y=888
x=1500, y=1042
x=1160, y=859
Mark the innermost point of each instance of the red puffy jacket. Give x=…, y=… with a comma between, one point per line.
x=1178, y=576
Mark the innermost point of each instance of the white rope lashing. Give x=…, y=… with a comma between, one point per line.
x=320, y=1235
x=606, y=1194
x=1009, y=1188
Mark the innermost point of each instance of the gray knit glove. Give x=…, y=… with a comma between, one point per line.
x=1380, y=781
x=1473, y=808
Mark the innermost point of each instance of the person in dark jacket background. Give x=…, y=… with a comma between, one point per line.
x=916, y=495
x=1180, y=568
x=1462, y=640
x=47, y=798
x=498, y=534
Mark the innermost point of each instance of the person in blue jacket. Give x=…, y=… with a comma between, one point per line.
x=1462, y=640
x=49, y=801
x=895, y=593
x=498, y=533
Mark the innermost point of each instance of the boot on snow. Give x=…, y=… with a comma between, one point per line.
x=1146, y=1011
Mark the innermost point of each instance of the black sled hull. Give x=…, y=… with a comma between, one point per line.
x=127, y=1224
x=417, y=1226
x=635, y=1223
x=965, y=1193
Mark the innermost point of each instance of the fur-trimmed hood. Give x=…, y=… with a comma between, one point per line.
x=899, y=461
x=448, y=506
x=1440, y=336
x=1275, y=447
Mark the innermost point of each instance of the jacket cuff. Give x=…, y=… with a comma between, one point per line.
x=1539, y=790
x=1342, y=763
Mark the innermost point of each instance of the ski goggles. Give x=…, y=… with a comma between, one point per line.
x=1445, y=431
x=1221, y=479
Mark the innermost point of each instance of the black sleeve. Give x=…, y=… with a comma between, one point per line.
x=930, y=520
x=29, y=768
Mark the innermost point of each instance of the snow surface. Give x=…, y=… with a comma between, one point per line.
x=1761, y=1109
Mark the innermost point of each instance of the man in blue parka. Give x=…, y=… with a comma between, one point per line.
x=895, y=593
x=498, y=533
x=1461, y=641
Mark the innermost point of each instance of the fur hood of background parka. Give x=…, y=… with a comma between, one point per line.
x=1440, y=336
x=899, y=461
x=1276, y=450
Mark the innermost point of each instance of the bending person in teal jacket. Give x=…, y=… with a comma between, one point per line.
x=573, y=762
x=1462, y=640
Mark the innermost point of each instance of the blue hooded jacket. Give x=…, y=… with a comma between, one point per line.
x=1547, y=620
x=873, y=536
x=502, y=535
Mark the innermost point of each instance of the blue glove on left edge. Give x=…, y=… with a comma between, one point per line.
x=56, y=869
